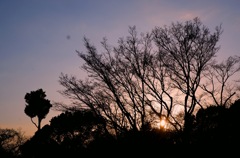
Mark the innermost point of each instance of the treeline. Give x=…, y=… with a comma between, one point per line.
x=80, y=133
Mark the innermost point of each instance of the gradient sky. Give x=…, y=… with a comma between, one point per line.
x=34, y=48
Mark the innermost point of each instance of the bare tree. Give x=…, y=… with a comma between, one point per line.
x=148, y=77
x=186, y=50
x=117, y=89
x=221, y=83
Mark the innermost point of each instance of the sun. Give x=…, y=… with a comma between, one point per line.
x=162, y=124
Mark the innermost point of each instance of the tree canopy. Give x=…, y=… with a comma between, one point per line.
x=37, y=106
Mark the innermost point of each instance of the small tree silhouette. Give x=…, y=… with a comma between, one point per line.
x=37, y=105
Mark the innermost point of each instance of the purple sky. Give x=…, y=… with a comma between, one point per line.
x=34, y=48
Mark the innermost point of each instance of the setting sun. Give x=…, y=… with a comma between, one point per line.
x=162, y=124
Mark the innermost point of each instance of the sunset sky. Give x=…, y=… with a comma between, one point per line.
x=39, y=39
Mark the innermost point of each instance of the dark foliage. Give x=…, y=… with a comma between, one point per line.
x=68, y=134
x=37, y=105
x=74, y=134
x=10, y=141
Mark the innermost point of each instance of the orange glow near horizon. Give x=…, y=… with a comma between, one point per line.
x=162, y=123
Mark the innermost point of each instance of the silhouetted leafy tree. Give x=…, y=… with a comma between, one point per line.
x=233, y=123
x=211, y=125
x=82, y=126
x=68, y=135
x=41, y=145
x=217, y=125
x=37, y=106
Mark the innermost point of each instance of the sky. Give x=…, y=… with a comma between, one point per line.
x=39, y=39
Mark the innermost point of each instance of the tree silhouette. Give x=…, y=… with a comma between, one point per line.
x=130, y=88
x=81, y=126
x=10, y=142
x=37, y=106
x=224, y=91
x=69, y=134
x=81, y=132
x=186, y=50
x=155, y=75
